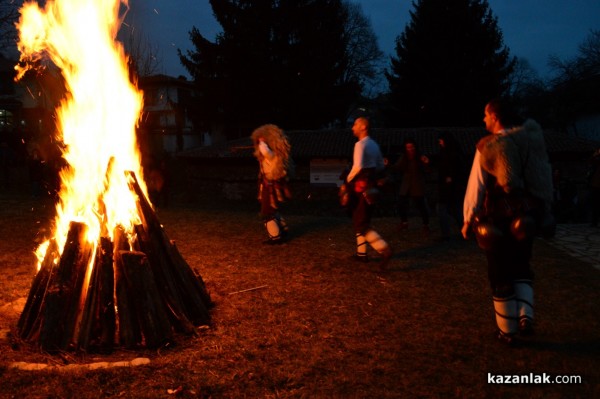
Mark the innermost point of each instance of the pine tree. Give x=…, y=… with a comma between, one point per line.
x=450, y=60
x=284, y=62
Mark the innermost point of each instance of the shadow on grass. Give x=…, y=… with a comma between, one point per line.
x=585, y=348
x=302, y=226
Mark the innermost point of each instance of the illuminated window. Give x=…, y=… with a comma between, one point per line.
x=6, y=118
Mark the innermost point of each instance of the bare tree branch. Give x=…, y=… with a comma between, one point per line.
x=143, y=54
x=9, y=14
x=364, y=56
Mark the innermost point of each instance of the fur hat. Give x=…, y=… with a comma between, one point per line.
x=278, y=142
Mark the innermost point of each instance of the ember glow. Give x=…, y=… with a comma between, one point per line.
x=97, y=119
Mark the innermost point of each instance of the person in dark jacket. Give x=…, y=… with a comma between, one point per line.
x=411, y=167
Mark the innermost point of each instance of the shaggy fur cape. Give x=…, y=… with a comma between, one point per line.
x=279, y=144
x=518, y=159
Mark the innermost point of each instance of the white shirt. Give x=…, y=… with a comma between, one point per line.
x=475, y=192
x=366, y=155
x=268, y=161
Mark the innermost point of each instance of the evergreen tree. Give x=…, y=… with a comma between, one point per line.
x=450, y=60
x=276, y=61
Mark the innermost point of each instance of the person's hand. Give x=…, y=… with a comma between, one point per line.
x=465, y=230
x=424, y=159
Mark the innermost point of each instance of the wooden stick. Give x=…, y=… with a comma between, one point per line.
x=249, y=289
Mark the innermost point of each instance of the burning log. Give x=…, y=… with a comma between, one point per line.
x=134, y=296
x=30, y=320
x=59, y=330
x=186, y=291
x=98, y=323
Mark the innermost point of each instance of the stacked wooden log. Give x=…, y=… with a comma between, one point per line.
x=134, y=297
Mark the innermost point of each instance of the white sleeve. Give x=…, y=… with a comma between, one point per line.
x=475, y=192
x=265, y=150
x=357, y=162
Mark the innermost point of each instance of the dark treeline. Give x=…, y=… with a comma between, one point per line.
x=291, y=63
x=311, y=64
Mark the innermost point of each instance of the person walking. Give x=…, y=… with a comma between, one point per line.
x=272, y=150
x=510, y=177
x=412, y=166
x=361, y=183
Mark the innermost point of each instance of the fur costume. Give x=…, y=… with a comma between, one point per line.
x=279, y=144
x=518, y=159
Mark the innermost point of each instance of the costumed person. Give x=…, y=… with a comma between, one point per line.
x=412, y=167
x=272, y=150
x=510, y=186
x=360, y=189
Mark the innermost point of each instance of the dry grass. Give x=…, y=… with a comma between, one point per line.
x=318, y=325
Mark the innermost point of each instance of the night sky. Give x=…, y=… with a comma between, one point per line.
x=533, y=29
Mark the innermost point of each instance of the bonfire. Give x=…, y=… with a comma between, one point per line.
x=108, y=274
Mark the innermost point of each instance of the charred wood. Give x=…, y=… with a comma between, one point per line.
x=98, y=316
x=130, y=334
x=134, y=291
x=165, y=282
x=29, y=323
x=185, y=292
x=147, y=302
x=64, y=294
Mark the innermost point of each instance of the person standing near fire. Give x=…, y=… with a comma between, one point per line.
x=361, y=187
x=272, y=150
x=510, y=178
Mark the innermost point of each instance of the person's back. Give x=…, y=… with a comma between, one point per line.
x=510, y=180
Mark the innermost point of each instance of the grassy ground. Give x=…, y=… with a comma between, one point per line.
x=301, y=320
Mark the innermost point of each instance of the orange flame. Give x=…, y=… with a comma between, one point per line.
x=97, y=119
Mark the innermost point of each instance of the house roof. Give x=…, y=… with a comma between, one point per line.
x=339, y=143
